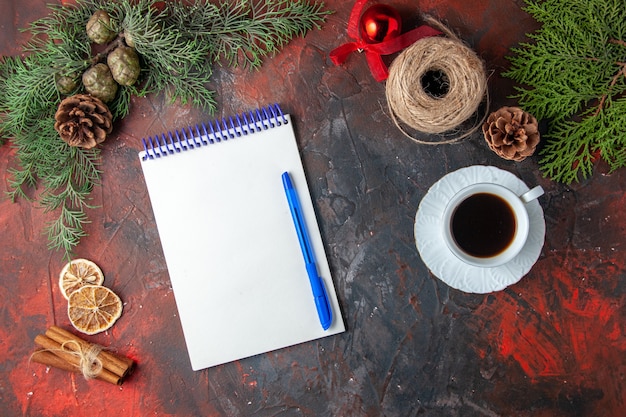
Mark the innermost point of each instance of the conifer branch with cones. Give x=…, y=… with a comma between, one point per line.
x=84, y=63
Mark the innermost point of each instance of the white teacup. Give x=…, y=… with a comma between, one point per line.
x=487, y=224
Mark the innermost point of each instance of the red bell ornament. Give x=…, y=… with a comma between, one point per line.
x=380, y=23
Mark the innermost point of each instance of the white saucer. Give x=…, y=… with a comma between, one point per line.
x=440, y=260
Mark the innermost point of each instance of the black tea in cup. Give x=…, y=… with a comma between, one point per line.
x=483, y=225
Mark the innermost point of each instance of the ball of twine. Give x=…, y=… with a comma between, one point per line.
x=466, y=87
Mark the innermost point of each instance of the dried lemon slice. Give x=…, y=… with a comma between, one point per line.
x=93, y=309
x=77, y=273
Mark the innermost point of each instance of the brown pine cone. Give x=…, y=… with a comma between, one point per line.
x=511, y=133
x=83, y=121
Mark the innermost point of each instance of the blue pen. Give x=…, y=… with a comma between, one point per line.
x=317, y=285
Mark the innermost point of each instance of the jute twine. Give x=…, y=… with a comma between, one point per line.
x=90, y=364
x=410, y=104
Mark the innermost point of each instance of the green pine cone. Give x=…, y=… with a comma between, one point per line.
x=99, y=82
x=124, y=65
x=99, y=28
x=66, y=84
x=128, y=38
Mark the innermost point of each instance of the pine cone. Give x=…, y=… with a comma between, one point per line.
x=124, y=65
x=99, y=82
x=83, y=121
x=511, y=133
x=66, y=84
x=99, y=27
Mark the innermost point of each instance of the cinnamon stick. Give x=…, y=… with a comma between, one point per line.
x=48, y=358
x=45, y=357
x=116, y=364
x=72, y=361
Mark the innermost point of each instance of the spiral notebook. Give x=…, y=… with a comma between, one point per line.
x=229, y=241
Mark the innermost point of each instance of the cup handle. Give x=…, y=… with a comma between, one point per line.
x=531, y=194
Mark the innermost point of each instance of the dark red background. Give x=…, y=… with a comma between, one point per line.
x=551, y=345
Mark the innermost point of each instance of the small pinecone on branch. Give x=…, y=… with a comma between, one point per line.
x=83, y=121
x=511, y=133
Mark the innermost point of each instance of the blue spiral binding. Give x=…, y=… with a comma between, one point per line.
x=209, y=133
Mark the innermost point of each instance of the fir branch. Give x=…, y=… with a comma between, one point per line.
x=72, y=182
x=573, y=74
x=28, y=92
x=179, y=86
x=612, y=145
x=34, y=155
x=67, y=230
x=158, y=42
x=248, y=31
x=65, y=25
x=565, y=160
x=68, y=175
x=6, y=69
x=120, y=107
